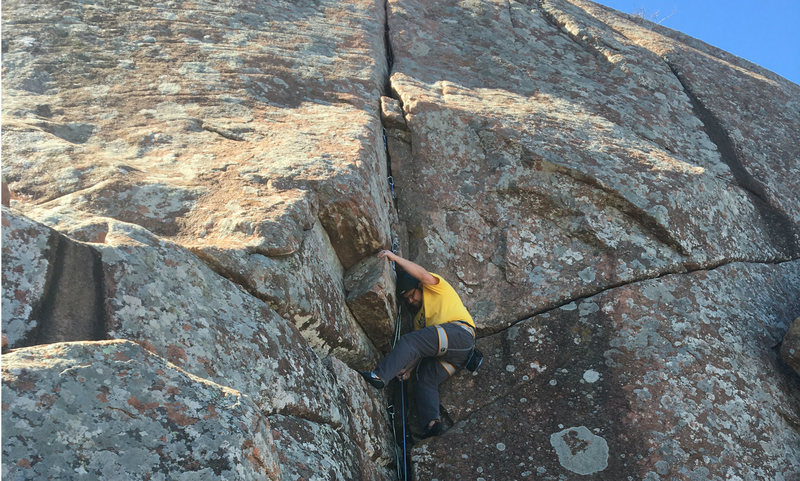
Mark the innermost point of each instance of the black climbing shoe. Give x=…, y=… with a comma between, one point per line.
x=373, y=379
x=434, y=430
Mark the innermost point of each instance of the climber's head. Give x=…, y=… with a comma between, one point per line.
x=408, y=289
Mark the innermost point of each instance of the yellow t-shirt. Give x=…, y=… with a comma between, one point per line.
x=440, y=304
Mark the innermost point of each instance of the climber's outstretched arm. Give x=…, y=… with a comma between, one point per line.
x=416, y=270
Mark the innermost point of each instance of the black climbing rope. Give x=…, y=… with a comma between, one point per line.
x=401, y=456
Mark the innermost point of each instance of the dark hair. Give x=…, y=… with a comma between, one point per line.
x=405, y=282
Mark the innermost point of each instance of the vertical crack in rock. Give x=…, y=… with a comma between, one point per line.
x=777, y=224
x=387, y=43
x=584, y=39
x=394, y=122
x=72, y=308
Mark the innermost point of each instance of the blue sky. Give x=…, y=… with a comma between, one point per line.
x=765, y=32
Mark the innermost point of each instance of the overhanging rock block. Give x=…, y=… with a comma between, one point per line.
x=370, y=295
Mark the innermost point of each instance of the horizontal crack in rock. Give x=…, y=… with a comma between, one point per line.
x=689, y=269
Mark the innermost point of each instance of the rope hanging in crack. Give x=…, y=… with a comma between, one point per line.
x=401, y=457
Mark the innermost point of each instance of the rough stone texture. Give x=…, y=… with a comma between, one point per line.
x=313, y=451
x=52, y=285
x=369, y=422
x=108, y=409
x=752, y=113
x=162, y=296
x=306, y=288
x=790, y=346
x=553, y=157
x=370, y=291
x=252, y=122
x=677, y=375
x=615, y=202
x=26, y=261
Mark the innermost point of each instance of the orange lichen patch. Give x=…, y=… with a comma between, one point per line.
x=121, y=356
x=212, y=412
x=175, y=413
x=207, y=365
x=253, y=454
x=103, y=396
x=140, y=406
x=46, y=401
x=147, y=345
x=24, y=463
x=20, y=295
x=176, y=355
x=23, y=384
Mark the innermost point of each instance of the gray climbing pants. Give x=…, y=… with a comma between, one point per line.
x=421, y=348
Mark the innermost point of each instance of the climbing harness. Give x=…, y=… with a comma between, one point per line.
x=442, y=340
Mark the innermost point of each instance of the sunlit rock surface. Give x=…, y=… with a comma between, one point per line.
x=614, y=201
x=104, y=410
x=233, y=129
x=552, y=157
x=202, y=186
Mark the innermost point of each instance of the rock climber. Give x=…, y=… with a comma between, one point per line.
x=442, y=342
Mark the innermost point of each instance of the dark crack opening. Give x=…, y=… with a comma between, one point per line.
x=776, y=223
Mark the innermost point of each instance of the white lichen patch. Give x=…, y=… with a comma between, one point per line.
x=591, y=376
x=580, y=451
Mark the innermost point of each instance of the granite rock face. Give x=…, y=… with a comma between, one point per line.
x=224, y=165
x=163, y=297
x=666, y=372
x=563, y=157
x=589, y=182
x=85, y=402
x=40, y=303
x=790, y=346
x=197, y=191
x=253, y=122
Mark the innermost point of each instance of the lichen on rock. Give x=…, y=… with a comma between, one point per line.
x=205, y=183
x=111, y=408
